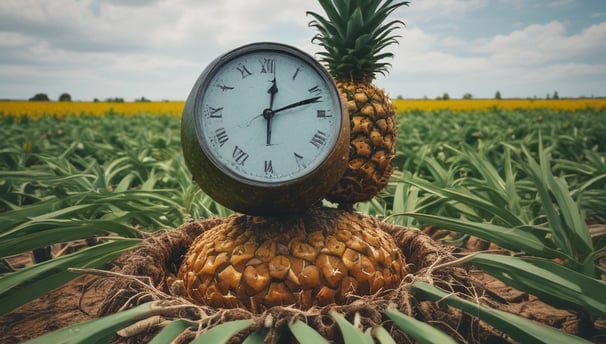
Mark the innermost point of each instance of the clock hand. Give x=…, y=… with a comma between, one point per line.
x=299, y=103
x=272, y=92
x=271, y=113
x=268, y=113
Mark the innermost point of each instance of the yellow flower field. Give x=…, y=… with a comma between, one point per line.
x=505, y=104
x=35, y=109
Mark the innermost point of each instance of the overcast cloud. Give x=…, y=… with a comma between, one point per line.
x=157, y=48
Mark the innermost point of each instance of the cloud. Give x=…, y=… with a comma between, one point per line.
x=95, y=40
x=541, y=44
x=443, y=8
x=523, y=62
x=561, y=3
x=156, y=48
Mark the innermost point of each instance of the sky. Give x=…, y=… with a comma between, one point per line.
x=157, y=48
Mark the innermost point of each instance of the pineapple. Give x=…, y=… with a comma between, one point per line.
x=354, y=34
x=322, y=257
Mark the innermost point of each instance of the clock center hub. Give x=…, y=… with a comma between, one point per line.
x=268, y=113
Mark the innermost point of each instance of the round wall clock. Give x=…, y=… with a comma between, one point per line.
x=264, y=131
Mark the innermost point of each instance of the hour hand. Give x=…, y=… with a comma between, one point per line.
x=272, y=92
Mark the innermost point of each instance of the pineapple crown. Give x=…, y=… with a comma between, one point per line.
x=353, y=35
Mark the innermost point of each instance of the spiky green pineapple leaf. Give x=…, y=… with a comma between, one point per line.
x=553, y=283
x=257, y=337
x=20, y=287
x=222, y=333
x=354, y=35
x=419, y=331
x=515, y=239
x=305, y=334
x=381, y=334
x=519, y=329
x=171, y=331
x=99, y=330
x=351, y=334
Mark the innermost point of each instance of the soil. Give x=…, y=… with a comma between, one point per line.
x=88, y=297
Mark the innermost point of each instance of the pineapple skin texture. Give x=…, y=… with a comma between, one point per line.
x=305, y=261
x=372, y=145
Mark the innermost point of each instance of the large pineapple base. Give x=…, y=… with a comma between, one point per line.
x=318, y=258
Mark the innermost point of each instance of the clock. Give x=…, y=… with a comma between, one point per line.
x=264, y=130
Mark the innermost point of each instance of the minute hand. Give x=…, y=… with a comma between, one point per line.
x=299, y=103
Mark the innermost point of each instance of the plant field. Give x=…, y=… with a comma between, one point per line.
x=81, y=183
x=60, y=109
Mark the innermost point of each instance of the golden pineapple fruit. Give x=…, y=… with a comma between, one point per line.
x=372, y=144
x=317, y=259
x=354, y=35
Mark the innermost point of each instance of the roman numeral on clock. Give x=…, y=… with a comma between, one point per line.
x=294, y=76
x=267, y=65
x=269, y=169
x=319, y=139
x=239, y=155
x=221, y=136
x=215, y=112
x=315, y=90
x=243, y=71
x=299, y=160
x=322, y=114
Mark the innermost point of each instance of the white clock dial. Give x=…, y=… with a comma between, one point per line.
x=268, y=116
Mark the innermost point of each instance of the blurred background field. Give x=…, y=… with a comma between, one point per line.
x=61, y=108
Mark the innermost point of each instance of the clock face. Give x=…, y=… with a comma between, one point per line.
x=267, y=115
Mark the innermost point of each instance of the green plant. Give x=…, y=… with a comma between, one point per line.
x=488, y=174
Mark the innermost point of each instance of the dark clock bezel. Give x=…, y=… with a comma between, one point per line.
x=244, y=194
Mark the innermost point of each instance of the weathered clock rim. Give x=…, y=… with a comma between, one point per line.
x=250, y=196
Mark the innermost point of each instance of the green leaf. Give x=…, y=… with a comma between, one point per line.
x=171, y=331
x=382, y=335
x=421, y=332
x=20, y=287
x=92, y=330
x=472, y=201
x=222, y=333
x=257, y=337
x=551, y=282
x=569, y=231
x=305, y=334
x=514, y=239
x=62, y=230
x=578, y=231
x=351, y=334
x=519, y=329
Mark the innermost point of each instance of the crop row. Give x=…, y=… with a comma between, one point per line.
x=60, y=109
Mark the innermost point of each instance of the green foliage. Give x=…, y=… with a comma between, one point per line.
x=519, y=329
x=528, y=188
x=525, y=180
x=552, y=282
x=305, y=334
x=222, y=333
x=98, y=330
x=86, y=177
x=421, y=332
x=354, y=35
